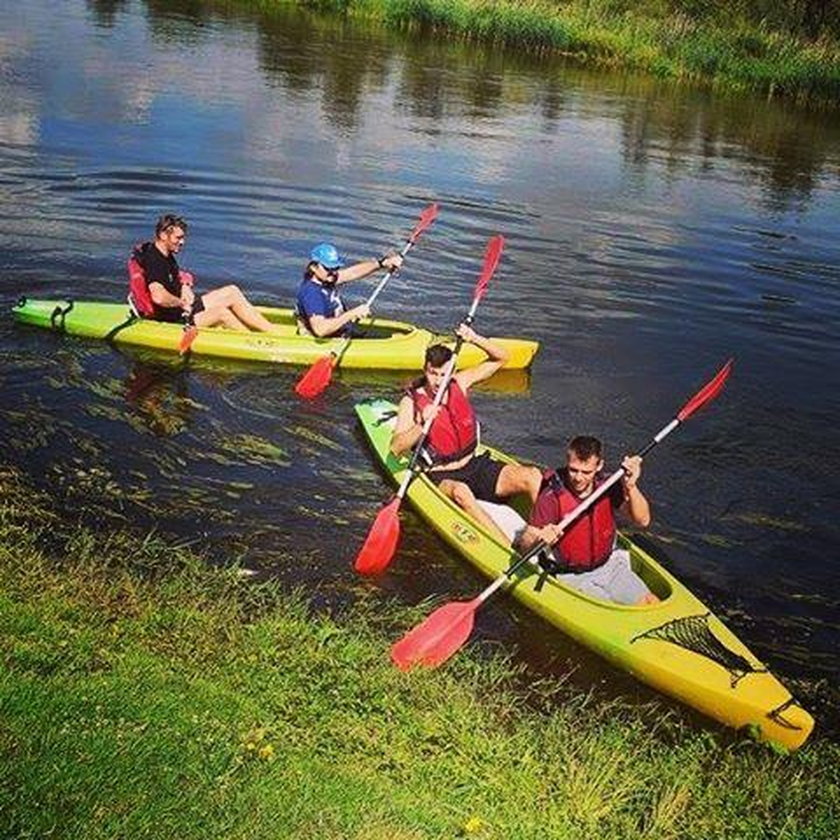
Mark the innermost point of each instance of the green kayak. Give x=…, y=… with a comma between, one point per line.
x=678, y=646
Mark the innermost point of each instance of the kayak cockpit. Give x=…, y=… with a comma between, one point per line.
x=511, y=522
x=368, y=328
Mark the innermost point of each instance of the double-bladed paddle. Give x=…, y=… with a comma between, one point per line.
x=316, y=379
x=446, y=630
x=381, y=542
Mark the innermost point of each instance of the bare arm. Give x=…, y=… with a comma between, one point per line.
x=531, y=535
x=164, y=298
x=322, y=326
x=407, y=431
x=497, y=356
x=366, y=267
x=635, y=505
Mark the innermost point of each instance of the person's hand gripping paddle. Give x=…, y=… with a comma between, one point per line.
x=381, y=542
x=190, y=332
x=446, y=630
x=319, y=375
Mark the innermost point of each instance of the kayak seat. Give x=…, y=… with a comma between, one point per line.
x=509, y=521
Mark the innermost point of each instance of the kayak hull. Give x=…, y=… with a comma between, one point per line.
x=677, y=646
x=392, y=345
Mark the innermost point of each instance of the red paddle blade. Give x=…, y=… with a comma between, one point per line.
x=491, y=260
x=381, y=542
x=316, y=378
x=439, y=636
x=425, y=220
x=707, y=393
x=187, y=338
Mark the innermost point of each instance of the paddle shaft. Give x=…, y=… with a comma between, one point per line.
x=190, y=329
x=188, y=279
x=389, y=273
x=571, y=516
x=427, y=425
x=381, y=541
x=426, y=218
x=379, y=287
x=491, y=260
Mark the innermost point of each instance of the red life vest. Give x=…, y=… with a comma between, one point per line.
x=454, y=432
x=139, y=297
x=589, y=541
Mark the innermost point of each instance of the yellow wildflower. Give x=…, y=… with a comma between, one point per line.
x=473, y=825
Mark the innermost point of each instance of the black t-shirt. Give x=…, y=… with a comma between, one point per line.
x=160, y=269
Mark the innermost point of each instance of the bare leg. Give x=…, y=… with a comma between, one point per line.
x=517, y=478
x=232, y=298
x=464, y=498
x=213, y=316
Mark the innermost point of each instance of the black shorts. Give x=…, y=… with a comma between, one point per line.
x=175, y=315
x=480, y=474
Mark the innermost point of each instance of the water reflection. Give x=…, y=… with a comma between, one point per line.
x=784, y=148
x=160, y=397
x=105, y=11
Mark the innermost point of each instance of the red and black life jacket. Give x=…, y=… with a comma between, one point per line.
x=139, y=298
x=589, y=541
x=454, y=432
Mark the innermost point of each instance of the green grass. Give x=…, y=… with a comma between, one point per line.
x=144, y=694
x=720, y=47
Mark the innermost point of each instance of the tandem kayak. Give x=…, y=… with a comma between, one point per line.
x=677, y=646
x=385, y=345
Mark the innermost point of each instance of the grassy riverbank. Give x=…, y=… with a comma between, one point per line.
x=145, y=695
x=786, y=50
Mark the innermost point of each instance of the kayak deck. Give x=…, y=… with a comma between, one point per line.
x=385, y=345
x=678, y=646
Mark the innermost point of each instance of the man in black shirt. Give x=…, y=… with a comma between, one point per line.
x=171, y=289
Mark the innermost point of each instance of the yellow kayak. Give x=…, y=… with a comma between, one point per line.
x=678, y=646
x=385, y=345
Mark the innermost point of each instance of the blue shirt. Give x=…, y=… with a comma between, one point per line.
x=313, y=298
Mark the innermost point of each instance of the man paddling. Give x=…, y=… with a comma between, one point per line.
x=585, y=556
x=320, y=310
x=451, y=443
x=169, y=294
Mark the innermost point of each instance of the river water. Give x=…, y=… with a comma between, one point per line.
x=652, y=232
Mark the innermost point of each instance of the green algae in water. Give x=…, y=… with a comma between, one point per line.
x=248, y=449
x=32, y=425
x=316, y=438
x=763, y=520
x=716, y=540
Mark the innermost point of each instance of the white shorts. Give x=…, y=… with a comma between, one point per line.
x=613, y=581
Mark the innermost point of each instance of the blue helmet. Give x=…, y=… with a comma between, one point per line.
x=327, y=255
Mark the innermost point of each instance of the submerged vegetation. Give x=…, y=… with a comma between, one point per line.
x=778, y=49
x=144, y=694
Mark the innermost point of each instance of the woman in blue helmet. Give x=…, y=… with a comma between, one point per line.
x=319, y=308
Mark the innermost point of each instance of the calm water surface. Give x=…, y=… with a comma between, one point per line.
x=652, y=232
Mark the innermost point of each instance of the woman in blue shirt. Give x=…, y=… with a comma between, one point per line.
x=320, y=309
